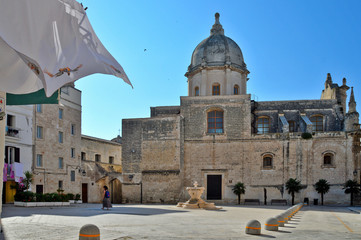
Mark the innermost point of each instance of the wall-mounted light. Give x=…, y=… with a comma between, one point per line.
x=355, y=172
x=81, y=170
x=133, y=150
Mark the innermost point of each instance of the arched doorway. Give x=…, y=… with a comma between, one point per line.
x=115, y=191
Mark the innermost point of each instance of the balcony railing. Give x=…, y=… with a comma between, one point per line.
x=12, y=132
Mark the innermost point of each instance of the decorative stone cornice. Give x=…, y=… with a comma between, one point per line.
x=199, y=69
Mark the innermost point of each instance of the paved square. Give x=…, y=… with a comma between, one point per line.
x=170, y=222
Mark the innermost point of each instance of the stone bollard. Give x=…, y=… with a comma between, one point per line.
x=271, y=224
x=253, y=227
x=89, y=232
x=280, y=220
x=285, y=217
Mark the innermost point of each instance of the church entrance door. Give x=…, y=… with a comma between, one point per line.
x=214, y=187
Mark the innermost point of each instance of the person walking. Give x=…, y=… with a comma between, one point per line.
x=106, y=199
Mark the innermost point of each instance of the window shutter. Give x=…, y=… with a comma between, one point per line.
x=17, y=155
x=6, y=154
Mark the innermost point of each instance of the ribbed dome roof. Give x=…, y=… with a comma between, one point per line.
x=217, y=50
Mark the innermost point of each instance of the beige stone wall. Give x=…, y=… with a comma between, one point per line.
x=241, y=161
x=102, y=173
x=49, y=174
x=166, y=182
x=91, y=146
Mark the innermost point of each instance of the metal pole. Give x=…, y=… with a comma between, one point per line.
x=2, y=143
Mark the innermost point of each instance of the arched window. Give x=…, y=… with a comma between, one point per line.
x=196, y=91
x=236, y=89
x=292, y=126
x=216, y=89
x=263, y=125
x=328, y=159
x=267, y=161
x=317, y=123
x=215, y=121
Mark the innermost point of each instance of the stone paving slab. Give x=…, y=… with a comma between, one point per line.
x=170, y=222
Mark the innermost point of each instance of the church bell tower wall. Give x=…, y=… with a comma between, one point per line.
x=152, y=153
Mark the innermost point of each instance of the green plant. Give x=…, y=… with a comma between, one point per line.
x=239, y=189
x=322, y=187
x=40, y=197
x=351, y=187
x=60, y=191
x=24, y=197
x=64, y=197
x=306, y=135
x=77, y=197
x=27, y=180
x=293, y=186
x=70, y=196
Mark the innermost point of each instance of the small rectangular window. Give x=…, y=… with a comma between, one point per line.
x=39, y=160
x=60, y=185
x=111, y=160
x=72, y=130
x=60, y=113
x=39, y=132
x=12, y=154
x=327, y=159
x=72, y=152
x=39, y=108
x=72, y=176
x=83, y=156
x=97, y=157
x=60, y=137
x=61, y=163
x=10, y=120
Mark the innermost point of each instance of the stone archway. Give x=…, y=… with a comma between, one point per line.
x=115, y=191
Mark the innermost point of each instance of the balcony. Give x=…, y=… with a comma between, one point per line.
x=12, y=132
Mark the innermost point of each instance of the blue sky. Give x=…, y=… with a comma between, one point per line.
x=288, y=46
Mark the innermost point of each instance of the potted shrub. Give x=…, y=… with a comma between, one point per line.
x=71, y=197
x=77, y=198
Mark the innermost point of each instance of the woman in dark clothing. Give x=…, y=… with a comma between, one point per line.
x=106, y=199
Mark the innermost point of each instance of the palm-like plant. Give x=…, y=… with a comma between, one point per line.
x=351, y=187
x=322, y=187
x=28, y=179
x=239, y=189
x=293, y=186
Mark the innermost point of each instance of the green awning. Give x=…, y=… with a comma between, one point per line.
x=38, y=97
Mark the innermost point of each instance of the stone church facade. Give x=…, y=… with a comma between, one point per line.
x=219, y=136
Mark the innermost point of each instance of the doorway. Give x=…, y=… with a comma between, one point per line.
x=116, y=191
x=84, y=192
x=8, y=192
x=39, y=189
x=214, y=187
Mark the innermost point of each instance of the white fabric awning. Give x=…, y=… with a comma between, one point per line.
x=48, y=43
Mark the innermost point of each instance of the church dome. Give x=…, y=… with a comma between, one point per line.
x=217, y=50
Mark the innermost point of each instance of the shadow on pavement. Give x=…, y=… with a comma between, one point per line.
x=11, y=211
x=266, y=236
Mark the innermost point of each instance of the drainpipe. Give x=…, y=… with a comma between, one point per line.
x=141, y=192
